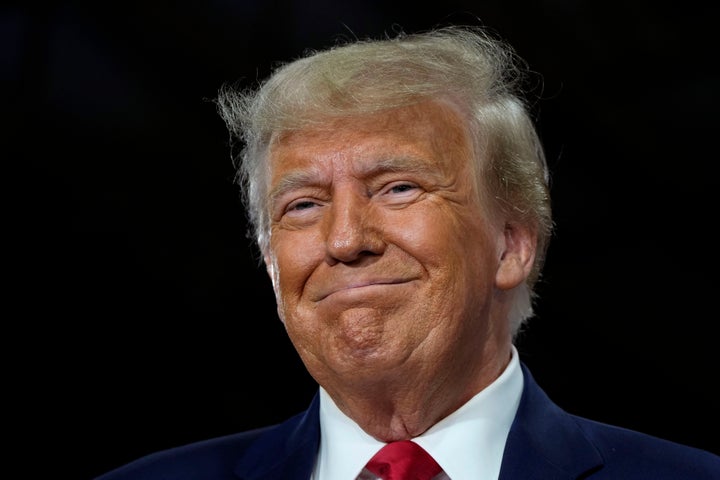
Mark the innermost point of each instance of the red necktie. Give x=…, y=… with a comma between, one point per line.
x=403, y=460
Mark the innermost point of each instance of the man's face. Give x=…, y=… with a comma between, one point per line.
x=382, y=259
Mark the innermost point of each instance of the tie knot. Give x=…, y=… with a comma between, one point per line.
x=403, y=460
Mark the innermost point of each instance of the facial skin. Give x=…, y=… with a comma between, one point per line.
x=392, y=280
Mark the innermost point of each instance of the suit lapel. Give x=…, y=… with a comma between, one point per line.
x=286, y=451
x=544, y=441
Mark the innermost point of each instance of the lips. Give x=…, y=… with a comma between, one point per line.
x=359, y=286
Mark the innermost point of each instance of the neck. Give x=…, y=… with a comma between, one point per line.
x=393, y=408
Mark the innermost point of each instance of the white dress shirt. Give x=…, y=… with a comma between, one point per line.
x=468, y=444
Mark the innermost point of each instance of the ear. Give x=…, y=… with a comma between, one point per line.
x=268, y=264
x=272, y=271
x=516, y=256
x=270, y=267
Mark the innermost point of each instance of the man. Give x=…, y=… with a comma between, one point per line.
x=399, y=198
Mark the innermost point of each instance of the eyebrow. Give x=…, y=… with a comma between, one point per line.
x=311, y=176
x=293, y=180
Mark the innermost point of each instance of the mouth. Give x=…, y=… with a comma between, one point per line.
x=361, y=288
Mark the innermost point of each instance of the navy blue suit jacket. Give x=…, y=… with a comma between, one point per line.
x=545, y=443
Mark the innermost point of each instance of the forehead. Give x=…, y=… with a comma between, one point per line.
x=429, y=131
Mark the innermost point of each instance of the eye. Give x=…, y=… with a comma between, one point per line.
x=300, y=205
x=400, y=193
x=402, y=188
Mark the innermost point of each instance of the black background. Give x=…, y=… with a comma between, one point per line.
x=142, y=319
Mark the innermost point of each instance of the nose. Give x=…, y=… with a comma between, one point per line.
x=353, y=228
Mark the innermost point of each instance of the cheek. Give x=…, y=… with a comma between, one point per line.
x=296, y=255
x=428, y=243
x=456, y=248
x=439, y=234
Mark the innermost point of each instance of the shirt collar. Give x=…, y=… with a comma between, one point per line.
x=468, y=444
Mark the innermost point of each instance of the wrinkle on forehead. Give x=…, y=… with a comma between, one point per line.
x=312, y=175
x=415, y=139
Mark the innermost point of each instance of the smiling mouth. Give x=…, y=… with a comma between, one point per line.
x=362, y=288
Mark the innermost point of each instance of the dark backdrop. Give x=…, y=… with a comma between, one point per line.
x=144, y=321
